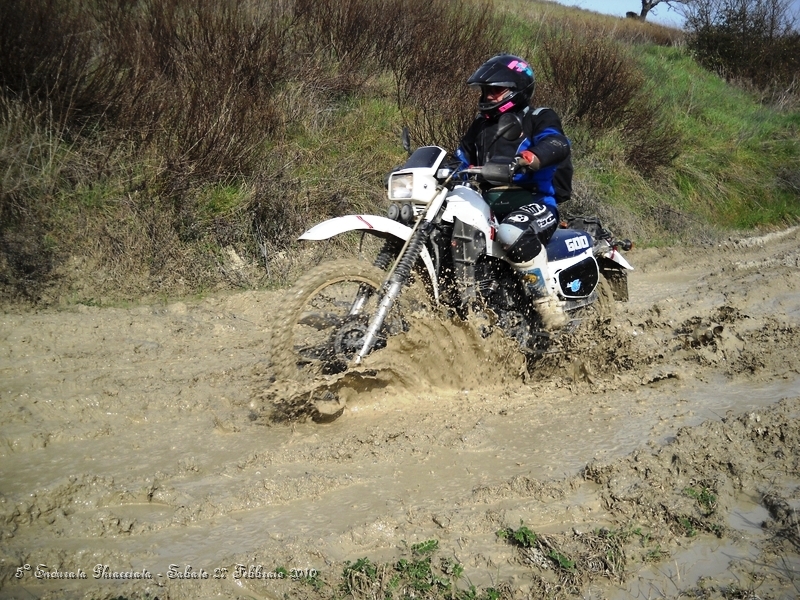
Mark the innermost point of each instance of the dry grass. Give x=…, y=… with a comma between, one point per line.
x=628, y=31
x=154, y=139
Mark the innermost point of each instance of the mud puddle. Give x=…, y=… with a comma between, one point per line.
x=138, y=438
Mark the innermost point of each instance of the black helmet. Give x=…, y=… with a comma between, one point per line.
x=508, y=71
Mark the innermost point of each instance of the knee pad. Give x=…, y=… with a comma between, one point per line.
x=519, y=240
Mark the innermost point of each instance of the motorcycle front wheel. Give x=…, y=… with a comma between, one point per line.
x=322, y=322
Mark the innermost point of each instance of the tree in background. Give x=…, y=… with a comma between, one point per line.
x=648, y=5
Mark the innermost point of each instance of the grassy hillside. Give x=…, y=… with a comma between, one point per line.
x=182, y=146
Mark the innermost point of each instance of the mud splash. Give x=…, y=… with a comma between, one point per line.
x=436, y=355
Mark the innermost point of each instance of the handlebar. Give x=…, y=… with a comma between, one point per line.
x=497, y=173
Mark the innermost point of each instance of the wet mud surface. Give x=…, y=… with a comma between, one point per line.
x=654, y=454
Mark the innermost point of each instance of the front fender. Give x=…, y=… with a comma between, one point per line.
x=375, y=225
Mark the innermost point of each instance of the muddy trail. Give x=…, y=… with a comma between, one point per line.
x=657, y=454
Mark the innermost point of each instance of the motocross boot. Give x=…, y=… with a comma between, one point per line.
x=534, y=275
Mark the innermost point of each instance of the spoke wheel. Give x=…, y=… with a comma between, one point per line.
x=323, y=319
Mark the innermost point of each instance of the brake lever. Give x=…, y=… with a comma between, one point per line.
x=519, y=165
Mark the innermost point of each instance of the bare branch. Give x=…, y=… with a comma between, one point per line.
x=648, y=5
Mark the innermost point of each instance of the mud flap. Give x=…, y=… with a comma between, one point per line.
x=616, y=277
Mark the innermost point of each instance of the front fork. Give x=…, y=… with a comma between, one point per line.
x=401, y=270
x=397, y=279
x=387, y=255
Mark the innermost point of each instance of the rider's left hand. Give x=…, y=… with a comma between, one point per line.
x=528, y=159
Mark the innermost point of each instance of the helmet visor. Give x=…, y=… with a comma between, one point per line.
x=494, y=93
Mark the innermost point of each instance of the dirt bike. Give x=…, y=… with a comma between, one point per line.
x=439, y=226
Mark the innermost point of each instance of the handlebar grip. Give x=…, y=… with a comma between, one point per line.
x=498, y=172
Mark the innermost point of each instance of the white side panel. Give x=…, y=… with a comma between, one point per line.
x=468, y=206
x=556, y=266
x=370, y=224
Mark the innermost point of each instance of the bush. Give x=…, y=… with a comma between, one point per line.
x=48, y=59
x=430, y=64
x=199, y=80
x=589, y=79
x=37, y=160
x=348, y=33
x=592, y=82
x=753, y=40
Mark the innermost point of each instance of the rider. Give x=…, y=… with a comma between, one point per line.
x=530, y=217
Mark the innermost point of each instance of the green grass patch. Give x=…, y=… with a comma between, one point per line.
x=419, y=575
x=688, y=527
x=705, y=498
x=738, y=156
x=220, y=199
x=561, y=561
x=522, y=537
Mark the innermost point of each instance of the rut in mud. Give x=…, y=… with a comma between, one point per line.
x=657, y=448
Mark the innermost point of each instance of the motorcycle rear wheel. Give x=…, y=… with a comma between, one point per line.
x=316, y=334
x=603, y=307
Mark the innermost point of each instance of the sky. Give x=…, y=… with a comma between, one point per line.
x=660, y=14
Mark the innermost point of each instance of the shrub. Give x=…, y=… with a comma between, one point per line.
x=592, y=82
x=430, y=64
x=199, y=80
x=750, y=39
x=589, y=79
x=48, y=59
x=347, y=32
x=37, y=160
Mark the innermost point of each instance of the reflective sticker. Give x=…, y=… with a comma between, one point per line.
x=577, y=243
x=546, y=222
x=534, y=276
x=519, y=66
x=363, y=220
x=517, y=218
x=506, y=106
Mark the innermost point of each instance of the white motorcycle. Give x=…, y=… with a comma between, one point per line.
x=440, y=227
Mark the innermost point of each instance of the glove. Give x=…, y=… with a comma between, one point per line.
x=528, y=159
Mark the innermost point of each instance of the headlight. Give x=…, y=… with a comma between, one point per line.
x=401, y=187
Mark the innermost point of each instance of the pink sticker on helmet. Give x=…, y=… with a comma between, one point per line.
x=506, y=106
x=512, y=64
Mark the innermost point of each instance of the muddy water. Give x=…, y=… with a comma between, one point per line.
x=141, y=437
